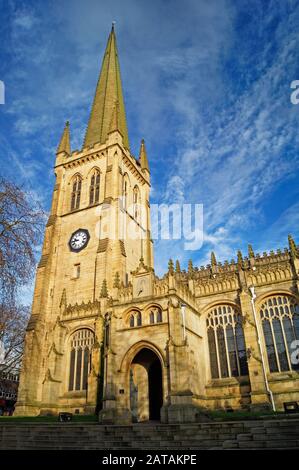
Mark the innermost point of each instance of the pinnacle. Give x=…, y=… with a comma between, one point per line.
x=64, y=144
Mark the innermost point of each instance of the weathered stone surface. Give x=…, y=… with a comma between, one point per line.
x=139, y=436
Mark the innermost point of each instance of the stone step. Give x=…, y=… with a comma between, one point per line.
x=215, y=435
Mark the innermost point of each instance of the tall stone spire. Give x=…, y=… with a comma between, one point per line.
x=64, y=144
x=108, y=100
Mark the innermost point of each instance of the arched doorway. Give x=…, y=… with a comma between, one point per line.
x=146, y=391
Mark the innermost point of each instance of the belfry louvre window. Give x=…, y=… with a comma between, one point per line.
x=76, y=193
x=280, y=322
x=226, y=342
x=81, y=344
x=94, y=190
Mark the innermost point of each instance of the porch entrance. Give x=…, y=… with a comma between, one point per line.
x=146, y=391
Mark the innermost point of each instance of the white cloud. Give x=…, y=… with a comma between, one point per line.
x=210, y=140
x=233, y=161
x=24, y=20
x=175, y=190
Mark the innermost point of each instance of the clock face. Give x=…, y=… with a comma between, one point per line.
x=79, y=240
x=141, y=287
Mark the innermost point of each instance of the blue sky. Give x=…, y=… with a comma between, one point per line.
x=206, y=83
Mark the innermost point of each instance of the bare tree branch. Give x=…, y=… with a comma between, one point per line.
x=21, y=227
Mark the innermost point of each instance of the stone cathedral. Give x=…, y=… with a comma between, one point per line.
x=107, y=336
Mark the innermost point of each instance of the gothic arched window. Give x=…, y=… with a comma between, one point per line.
x=155, y=315
x=159, y=316
x=135, y=319
x=94, y=189
x=81, y=343
x=280, y=322
x=76, y=193
x=226, y=342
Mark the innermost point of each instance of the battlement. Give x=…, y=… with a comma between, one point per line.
x=257, y=269
x=252, y=261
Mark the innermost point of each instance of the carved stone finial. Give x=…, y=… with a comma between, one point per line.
x=190, y=267
x=250, y=251
x=170, y=267
x=104, y=290
x=292, y=246
x=213, y=259
x=177, y=266
x=240, y=258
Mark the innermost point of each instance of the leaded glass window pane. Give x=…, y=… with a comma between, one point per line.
x=85, y=368
x=225, y=322
x=213, y=354
x=241, y=350
x=94, y=189
x=296, y=325
x=76, y=193
x=270, y=346
x=81, y=343
x=222, y=352
x=79, y=369
x=72, y=369
x=91, y=195
x=232, y=351
x=290, y=337
x=280, y=345
x=285, y=325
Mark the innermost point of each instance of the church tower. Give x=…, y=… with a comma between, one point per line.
x=96, y=234
x=107, y=335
